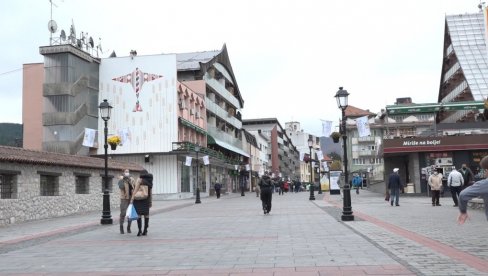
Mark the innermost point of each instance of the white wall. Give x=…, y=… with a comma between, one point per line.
x=155, y=126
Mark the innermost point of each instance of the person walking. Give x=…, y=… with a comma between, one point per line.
x=142, y=200
x=455, y=181
x=126, y=186
x=217, y=188
x=467, y=174
x=266, y=187
x=357, y=181
x=394, y=186
x=435, y=183
x=479, y=188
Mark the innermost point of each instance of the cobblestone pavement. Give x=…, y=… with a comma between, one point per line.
x=232, y=236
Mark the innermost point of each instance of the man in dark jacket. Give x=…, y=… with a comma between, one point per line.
x=266, y=187
x=467, y=175
x=394, y=186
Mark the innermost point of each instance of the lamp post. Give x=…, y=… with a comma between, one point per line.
x=320, y=183
x=310, y=146
x=105, y=109
x=197, y=196
x=341, y=97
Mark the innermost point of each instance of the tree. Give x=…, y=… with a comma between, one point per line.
x=336, y=165
x=335, y=156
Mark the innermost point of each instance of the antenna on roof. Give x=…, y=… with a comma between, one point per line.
x=481, y=5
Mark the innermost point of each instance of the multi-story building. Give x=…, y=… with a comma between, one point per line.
x=300, y=139
x=458, y=134
x=283, y=156
x=165, y=106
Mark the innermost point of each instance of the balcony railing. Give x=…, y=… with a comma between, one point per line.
x=190, y=147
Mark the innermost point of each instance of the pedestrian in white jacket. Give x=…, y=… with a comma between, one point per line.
x=455, y=181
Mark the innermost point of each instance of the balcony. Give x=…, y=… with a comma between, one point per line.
x=367, y=153
x=366, y=139
x=224, y=93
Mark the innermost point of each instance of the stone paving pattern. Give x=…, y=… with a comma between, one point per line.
x=232, y=236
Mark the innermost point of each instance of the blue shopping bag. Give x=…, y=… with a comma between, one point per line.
x=131, y=213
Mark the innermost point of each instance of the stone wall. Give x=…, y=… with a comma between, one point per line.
x=27, y=203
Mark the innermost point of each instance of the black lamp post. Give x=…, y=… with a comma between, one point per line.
x=105, y=109
x=310, y=146
x=320, y=183
x=197, y=197
x=341, y=97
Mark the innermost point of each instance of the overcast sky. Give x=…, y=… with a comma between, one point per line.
x=289, y=57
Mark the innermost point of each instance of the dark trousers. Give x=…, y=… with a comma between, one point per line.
x=217, y=192
x=455, y=193
x=266, y=196
x=435, y=197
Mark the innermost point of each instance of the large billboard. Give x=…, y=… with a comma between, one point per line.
x=142, y=92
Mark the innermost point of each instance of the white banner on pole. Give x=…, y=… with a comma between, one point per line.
x=124, y=135
x=188, y=161
x=302, y=155
x=326, y=128
x=363, y=126
x=320, y=155
x=206, y=161
x=89, y=139
x=248, y=167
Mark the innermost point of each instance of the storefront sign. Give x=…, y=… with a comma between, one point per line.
x=442, y=143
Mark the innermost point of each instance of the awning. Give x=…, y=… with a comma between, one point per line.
x=228, y=146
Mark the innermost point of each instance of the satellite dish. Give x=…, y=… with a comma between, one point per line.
x=90, y=41
x=63, y=35
x=52, y=26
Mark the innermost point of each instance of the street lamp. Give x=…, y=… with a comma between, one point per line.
x=320, y=183
x=310, y=146
x=341, y=97
x=197, y=197
x=105, y=109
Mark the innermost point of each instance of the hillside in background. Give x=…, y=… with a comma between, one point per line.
x=11, y=134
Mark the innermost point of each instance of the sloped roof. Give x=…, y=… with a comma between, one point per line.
x=353, y=112
x=202, y=61
x=191, y=61
x=20, y=155
x=467, y=35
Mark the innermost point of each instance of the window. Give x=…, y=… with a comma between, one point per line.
x=7, y=185
x=49, y=185
x=82, y=184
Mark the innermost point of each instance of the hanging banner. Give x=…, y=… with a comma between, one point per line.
x=188, y=161
x=206, y=160
x=124, y=135
x=326, y=128
x=363, y=126
x=236, y=167
x=89, y=139
x=302, y=155
x=248, y=167
x=320, y=155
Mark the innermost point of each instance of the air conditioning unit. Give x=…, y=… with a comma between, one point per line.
x=197, y=114
x=192, y=111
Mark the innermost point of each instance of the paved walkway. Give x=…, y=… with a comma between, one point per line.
x=231, y=236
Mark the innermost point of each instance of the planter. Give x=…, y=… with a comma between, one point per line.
x=113, y=146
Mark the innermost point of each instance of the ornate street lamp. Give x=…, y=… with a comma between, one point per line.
x=310, y=146
x=320, y=183
x=197, y=197
x=341, y=97
x=105, y=109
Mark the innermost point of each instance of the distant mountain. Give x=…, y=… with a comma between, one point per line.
x=11, y=134
x=328, y=146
